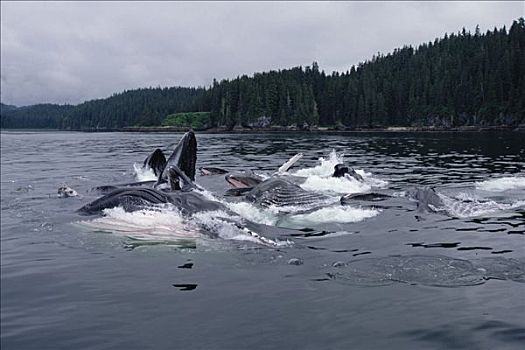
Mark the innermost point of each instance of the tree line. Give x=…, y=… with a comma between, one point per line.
x=140, y=107
x=463, y=78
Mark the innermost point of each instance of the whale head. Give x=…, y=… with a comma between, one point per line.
x=183, y=157
x=246, y=179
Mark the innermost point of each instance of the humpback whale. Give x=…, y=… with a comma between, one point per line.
x=284, y=190
x=427, y=199
x=184, y=195
x=156, y=161
x=341, y=170
x=248, y=179
x=188, y=203
x=281, y=192
x=245, y=179
x=131, y=199
x=206, y=171
x=183, y=157
x=178, y=172
x=367, y=196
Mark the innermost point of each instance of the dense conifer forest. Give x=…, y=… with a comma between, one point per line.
x=461, y=79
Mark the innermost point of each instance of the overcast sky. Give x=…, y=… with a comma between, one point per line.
x=68, y=52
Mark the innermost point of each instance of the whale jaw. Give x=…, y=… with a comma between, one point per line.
x=184, y=157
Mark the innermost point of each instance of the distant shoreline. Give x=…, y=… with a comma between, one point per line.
x=285, y=130
x=520, y=128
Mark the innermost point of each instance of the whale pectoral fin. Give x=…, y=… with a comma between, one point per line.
x=288, y=164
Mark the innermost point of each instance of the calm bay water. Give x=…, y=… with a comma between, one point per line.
x=68, y=287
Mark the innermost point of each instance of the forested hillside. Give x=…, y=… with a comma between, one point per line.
x=141, y=107
x=461, y=79
x=41, y=116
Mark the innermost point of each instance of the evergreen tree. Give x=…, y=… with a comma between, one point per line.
x=461, y=79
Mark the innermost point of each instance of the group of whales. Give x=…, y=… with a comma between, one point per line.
x=175, y=185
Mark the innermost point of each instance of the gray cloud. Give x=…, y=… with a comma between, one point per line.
x=67, y=52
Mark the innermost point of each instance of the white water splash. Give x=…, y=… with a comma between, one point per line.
x=284, y=217
x=290, y=209
x=339, y=215
x=325, y=168
x=245, y=209
x=143, y=173
x=371, y=180
x=341, y=185
x=330, y=212
x=163, y=223
x=465, y=205
x=252, y=213
x=166, y=223
x=502, y=184
x=319, y=178
x=229, y=228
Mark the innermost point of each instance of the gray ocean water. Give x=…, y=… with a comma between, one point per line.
x=65, y=286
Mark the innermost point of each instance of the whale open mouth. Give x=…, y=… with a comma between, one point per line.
x=184, y=157
x=236, y=183
x=243, y=180
x=156, y=161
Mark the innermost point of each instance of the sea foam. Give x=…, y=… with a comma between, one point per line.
x=162, y=223
x=144, y=173
x=341, y=185
x=465, y=205
x=319, y=178
x=325, y=166
x=338, y=215
x=502, y=184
